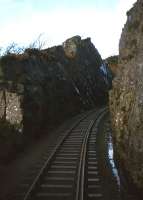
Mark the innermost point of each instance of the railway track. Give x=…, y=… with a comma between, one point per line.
x=70, y=170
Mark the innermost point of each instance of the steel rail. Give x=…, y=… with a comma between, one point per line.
x=46, y=164
x=81, y=161
x=81, y=170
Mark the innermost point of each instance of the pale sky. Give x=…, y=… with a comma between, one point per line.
x=22, y=21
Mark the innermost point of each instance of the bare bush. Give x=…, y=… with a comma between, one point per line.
x=14, y=48
x=39, y=43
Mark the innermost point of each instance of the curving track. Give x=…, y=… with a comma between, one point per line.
x=70, y=171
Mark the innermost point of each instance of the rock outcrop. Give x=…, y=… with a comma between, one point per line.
x=51, y=85
x=112, y=62
x=126, y=99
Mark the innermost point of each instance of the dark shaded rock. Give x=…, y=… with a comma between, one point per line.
x=56, y=83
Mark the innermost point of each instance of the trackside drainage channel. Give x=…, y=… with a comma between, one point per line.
x=111, y=160
x=125, y=190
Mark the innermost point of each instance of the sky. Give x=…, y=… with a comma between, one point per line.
x=22, y=21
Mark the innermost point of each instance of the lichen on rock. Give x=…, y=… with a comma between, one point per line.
x=71, y=46
x=126, y=98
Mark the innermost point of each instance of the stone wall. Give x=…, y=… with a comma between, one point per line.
x=126, y=98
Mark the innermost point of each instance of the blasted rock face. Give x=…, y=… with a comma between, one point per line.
x=58, y=82
x=126, y=98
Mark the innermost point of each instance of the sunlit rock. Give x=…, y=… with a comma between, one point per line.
x=13, y=109
x=126, y=99
x=71, y=46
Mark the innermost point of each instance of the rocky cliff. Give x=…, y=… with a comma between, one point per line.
x=126, y=99
x=41, y=88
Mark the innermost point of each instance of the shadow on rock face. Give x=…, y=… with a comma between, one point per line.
x=52, y=85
